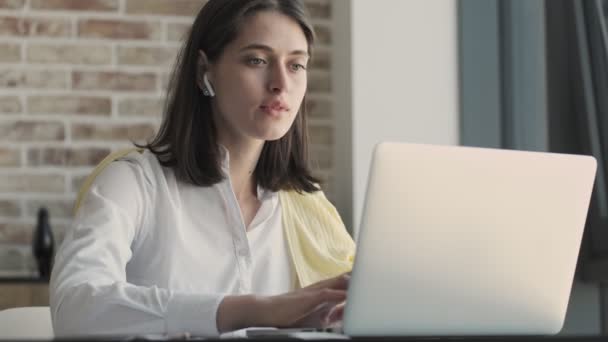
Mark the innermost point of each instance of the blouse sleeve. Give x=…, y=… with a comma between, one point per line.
x=89, y=292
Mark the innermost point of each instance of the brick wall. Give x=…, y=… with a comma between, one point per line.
x=80, y=78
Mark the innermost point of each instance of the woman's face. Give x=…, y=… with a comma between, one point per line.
x=260, y=78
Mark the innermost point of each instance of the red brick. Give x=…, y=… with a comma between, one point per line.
x=323, y=34
x=118, y=29
x=165, y=7
x=57, y=208
x=67, y=157
x=46, y=183
x=177, y=31
x=91, y=80
x=107, y=132
x=69, y=54
x=76, y=5
x=141, y=106
x=42, y=27
x=10, y=208
x=33, y=78
x=321, y=135
x=319, y=8
x=67, y=104
x=12, y=4
x=10, y=157
x=149, y=56
x=31, y=131
x=11, y=78
x=11, y=52
x=321, y=60
x=319, y=82
x=318, y=108
x=15, y=236
x=10, y=105
x=16, y=233
x=321, y=158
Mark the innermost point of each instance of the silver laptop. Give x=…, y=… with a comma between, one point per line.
x=467, y=241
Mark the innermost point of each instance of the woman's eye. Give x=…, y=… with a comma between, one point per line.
x=297, y=67
x=256, y=61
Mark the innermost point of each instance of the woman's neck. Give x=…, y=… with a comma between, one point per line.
x=244, y=157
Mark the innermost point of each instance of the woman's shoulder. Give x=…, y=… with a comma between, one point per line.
x=126, y=177
x=141, y=160
x=127, y=169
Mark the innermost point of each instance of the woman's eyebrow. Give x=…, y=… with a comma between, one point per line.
x=269, y=49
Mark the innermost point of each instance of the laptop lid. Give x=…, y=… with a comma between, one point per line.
x=467, y=241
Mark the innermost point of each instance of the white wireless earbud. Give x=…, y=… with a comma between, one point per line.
x=208, y=86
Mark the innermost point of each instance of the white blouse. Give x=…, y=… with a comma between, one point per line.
x=147, y=254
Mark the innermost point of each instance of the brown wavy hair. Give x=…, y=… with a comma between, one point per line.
x=187, y=138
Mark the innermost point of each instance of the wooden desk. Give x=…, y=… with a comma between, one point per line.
x=19, y=292
x=395, y=339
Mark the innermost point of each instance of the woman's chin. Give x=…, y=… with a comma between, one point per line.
x=274, y=137
x=273, y=134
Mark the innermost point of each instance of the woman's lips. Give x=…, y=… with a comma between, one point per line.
x=274, y=110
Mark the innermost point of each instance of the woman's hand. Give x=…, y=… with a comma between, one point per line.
x=306, y=307
x=312, y=306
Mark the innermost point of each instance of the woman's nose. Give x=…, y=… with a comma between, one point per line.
x=278, y=80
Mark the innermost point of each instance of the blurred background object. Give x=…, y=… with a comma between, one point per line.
x=43, y=244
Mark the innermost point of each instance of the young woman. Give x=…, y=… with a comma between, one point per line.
x=217, y=223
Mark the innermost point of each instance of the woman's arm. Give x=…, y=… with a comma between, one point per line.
x=89, y=292
x=309, y=306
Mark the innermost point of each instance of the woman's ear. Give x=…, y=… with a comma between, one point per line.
x=202, y=68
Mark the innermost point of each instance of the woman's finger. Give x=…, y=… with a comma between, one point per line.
x=323, y=296
x=295, y=307
x=339, y=282
x=336, y=314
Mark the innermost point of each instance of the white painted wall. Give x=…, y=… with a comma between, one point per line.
x=404, y=78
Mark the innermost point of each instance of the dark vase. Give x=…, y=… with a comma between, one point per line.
x=43, y=244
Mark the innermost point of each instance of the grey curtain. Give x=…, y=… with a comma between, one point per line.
x=577, y=58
